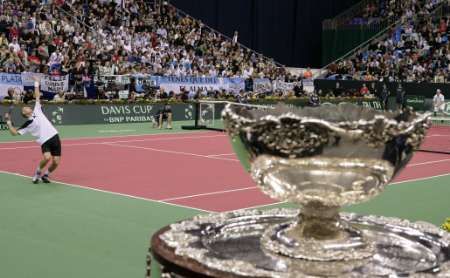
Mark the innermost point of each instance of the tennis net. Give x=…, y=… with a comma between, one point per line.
x=207, y=115
x=438, y=137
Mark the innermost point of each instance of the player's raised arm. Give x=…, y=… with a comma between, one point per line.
x=11, y=128
x=37, y=91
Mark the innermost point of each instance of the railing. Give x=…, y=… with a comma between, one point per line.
x=439, y=11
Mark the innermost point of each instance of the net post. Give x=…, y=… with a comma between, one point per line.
x=196, y=117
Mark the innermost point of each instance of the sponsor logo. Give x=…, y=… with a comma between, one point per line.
x=447, y=109
x=57, y=116
x=127, y=113
x=188, y=112
x=3, y=125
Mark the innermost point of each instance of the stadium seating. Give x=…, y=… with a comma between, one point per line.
x=415, y=50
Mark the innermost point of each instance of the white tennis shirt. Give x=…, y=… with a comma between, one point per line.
x=38, y=126
x=438, y=100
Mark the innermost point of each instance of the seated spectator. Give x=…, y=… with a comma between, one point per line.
x=28, y=96
x=59, y=97
x=10, y=95
x=364, y=90
x=308, y=74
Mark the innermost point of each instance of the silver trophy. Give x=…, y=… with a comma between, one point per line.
x=321, y=159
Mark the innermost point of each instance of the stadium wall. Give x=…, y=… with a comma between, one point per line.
x=110, y=113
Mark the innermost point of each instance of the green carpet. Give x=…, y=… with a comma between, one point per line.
x=56, y=231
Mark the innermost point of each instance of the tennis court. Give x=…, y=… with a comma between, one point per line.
x=120, y=183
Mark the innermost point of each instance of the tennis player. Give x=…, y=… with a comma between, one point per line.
x=438, y=102
x=47, y=136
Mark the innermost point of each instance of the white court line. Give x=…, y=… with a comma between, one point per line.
x=221, y=154
x=209, y=194
x=438, y=135
x=427, y=163
x=261, y=206
x=109, y=192
x=116, y=131
x=114, y=142
x=394, y=183
x=169, y=151
x=118, y=136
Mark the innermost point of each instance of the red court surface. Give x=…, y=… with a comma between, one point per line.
x=197, y=170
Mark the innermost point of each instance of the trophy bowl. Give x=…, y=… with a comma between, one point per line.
x=322, y=159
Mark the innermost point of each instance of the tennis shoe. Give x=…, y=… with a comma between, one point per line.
x=45, y=179
x=36, y=179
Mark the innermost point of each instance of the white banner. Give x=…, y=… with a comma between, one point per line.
x=234, y=85
x=55, y=84
x=116, y=79
x=284, y=86
x=308, y=85
x=262, y=85
x=176, y=84
x=10, y=81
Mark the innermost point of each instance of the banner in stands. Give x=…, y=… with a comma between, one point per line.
x=117, y=79
x=9, y=81
x=284, y=86
x=308, y=85
x=55, y=84
x=234, y=85
x=262, y=85
x=28, y=78
x=177, y=84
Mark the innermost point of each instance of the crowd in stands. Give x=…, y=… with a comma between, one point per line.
x=376, y=11
x=415, y=51
x=88, y=38
x=85, y=38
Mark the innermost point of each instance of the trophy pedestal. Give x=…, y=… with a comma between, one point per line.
x=231, y=245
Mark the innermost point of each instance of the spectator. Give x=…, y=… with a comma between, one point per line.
x=337, y=90
x=308, y=74
x=438, y=102
x=29, y=96
x=364, y=91
x=59, y=97
x=400, y=97
x=384, y=96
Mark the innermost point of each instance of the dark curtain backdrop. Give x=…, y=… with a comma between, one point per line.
x=290, y=31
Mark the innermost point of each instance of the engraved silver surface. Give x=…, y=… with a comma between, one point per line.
x=231, y=242
x=321, y=159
